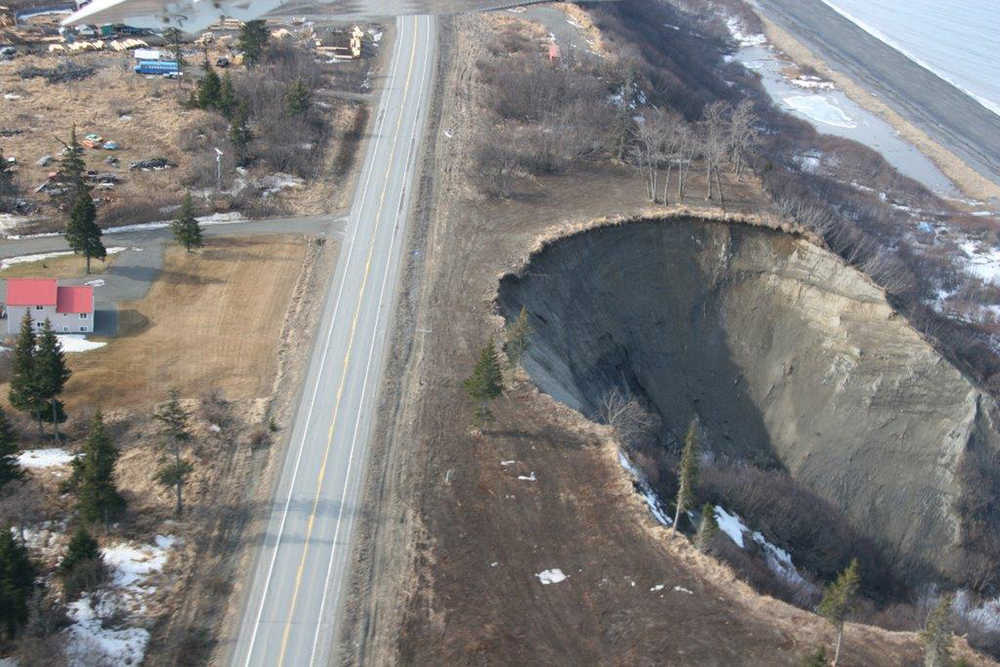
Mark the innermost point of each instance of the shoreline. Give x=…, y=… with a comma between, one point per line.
x=967, y=179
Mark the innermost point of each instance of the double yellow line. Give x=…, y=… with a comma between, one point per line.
x=343, y=375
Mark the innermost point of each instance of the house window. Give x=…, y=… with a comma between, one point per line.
x=65, y=328
x=83, y=316
x=39, y=307
x=83, y=328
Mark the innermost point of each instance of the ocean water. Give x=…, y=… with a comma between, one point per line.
x=959, y=40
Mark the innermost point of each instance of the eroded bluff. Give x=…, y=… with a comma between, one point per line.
x=781, y=350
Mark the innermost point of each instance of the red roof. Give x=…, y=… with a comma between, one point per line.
x=75, y=300
x=31, y=292
x=46, y=292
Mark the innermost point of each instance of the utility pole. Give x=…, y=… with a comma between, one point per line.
x=218, y=169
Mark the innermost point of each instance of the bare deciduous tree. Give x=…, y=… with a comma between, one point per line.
x=743, y=136
x=648, y=148
x=624, y=413
x=715, y=144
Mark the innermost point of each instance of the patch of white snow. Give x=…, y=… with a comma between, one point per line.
x=44, y=458
x=553, y=576
x=77, y=343
x=731, y=525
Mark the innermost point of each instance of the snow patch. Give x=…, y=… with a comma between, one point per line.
x=528, y=478
x=90, y=641
x=652, y=500
x=553, y=576
x=76, y=343
x=821, y=109
x=45, y=458
x=731, y=525
x=984, y=263
x=811, y=83
x=133, y=565
x=681, y=589
x=25, y=259
x=214, y=219
x=657, y=587
x=744, y=39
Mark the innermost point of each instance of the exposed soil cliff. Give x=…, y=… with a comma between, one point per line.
x=786, y=355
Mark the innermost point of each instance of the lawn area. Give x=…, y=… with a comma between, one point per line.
x=210, y=321
x=63, y=266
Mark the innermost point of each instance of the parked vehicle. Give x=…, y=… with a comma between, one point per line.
x=162, y=67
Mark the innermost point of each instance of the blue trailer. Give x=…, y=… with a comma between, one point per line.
x=163, y=67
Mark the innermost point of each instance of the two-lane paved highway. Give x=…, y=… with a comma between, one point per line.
x=293, y=601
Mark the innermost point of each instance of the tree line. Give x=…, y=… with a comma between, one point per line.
x=663, y=141
x=38, y=375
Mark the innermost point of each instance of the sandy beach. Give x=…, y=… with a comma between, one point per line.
x=951, y=128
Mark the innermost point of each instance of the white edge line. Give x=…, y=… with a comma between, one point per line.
x=319, y=372
x=364, y=386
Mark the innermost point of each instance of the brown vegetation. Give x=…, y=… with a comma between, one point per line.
x=460, y=536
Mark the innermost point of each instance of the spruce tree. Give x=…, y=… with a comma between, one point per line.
x=9, y=468
x=24, y=394
x=185, y=227
x=174, y=470
x=8, y=186
x=937, y=634
x=708, y=527
x=687, y=473
x=227, y=96
x=838, y=602
x=518, y=338
x=72, y=168
x=209, y=89
x=239, y=133
x=816, y=659
x=82, y=233
x=17, y=582
x=252, y=41
x=51, y=373
x=298, y=97
x=93, y=477
x=81, y=548
x=486, y=382
x=83, y=565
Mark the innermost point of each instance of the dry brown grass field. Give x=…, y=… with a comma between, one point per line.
x=211, y=321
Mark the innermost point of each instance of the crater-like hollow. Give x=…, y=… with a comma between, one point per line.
x=784, y=353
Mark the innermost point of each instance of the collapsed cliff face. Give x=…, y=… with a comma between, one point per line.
x=785, y=354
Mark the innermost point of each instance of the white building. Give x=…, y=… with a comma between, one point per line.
x=68, y=309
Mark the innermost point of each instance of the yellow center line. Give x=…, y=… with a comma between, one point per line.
x=343, y=375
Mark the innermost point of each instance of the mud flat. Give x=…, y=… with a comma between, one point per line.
x=782, y=351
x=925, y=108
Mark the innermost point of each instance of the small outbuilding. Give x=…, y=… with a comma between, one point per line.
x=70, y=309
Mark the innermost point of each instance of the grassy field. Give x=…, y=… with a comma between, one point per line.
x=211, y=321
x=64, y=266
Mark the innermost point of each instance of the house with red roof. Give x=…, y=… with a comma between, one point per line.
x=70, y=309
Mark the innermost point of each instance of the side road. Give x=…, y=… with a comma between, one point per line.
x=135, y=268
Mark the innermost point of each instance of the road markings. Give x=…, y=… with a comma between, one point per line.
x=319, y=372
x=346, y=362
x=371, y=350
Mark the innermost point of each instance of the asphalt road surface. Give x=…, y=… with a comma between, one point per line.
x=946, y=113
x=293, y=602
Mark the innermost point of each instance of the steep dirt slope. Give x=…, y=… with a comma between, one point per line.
x=781, y=351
